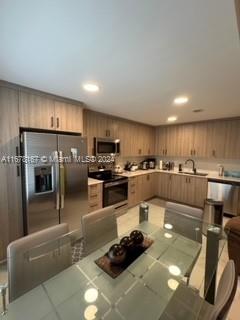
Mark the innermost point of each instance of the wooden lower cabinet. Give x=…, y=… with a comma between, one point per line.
x=95, y=197
x=141, y=188
x=181, y=188
x=134, y=190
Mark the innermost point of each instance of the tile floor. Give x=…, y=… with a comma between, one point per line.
x=156, y=215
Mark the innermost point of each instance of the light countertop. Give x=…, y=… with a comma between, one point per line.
x=210, y=174
x=92, y=181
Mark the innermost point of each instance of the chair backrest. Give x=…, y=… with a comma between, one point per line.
x=98, y=228
x=36, y=258
x=225, y=292
x=185, y=220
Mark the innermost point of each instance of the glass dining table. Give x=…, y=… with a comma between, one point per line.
x=152, y=287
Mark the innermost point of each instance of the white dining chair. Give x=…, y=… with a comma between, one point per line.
x=37, y=257
x=98, y=228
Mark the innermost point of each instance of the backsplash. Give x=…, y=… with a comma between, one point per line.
x=121, y=161
x=201, y=164
x=208, y=165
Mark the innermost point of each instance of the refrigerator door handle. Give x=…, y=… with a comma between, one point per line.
x=62, y=179
x=56, y=162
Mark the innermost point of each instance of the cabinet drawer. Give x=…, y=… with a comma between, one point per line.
x=94, y=206
x=94, y=197
x=94, y=191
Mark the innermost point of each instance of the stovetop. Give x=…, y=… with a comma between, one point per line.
x=105, y=175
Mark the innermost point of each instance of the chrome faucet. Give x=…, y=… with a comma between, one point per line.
x=193, y=165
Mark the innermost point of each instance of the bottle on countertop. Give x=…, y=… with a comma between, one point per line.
x=180, y=167
x=160, y=164
x=220, y=170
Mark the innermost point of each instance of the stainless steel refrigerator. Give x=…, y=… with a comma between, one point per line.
x=54, y=191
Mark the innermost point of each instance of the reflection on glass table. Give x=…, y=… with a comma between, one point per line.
x=143, y=291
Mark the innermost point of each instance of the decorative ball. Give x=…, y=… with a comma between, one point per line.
x=137, y=237
x=117, y=254
x=127, y=243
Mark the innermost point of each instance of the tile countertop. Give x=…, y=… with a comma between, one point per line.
x=92, y=181
x=212, y=175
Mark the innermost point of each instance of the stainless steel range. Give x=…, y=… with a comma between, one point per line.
x=115, y=189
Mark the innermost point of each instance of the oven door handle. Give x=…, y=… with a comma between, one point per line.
x=112, y=184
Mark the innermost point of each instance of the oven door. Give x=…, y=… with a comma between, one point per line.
x=106, y=146
x=115, y=192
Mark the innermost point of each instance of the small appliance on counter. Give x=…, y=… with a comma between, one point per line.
x=151, y=163
x=144, y=165
x=131, y=166
x=118, y=169
x=220, y=170
x=168, y=165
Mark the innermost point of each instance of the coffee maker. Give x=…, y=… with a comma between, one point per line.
x=151, y=163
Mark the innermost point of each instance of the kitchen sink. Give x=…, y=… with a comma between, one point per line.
x=195, y=174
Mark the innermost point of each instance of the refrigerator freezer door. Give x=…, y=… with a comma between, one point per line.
x=40, y=181
x=73, y=180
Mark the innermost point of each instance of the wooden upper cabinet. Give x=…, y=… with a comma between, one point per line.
x=43, y=112
x=112, y=129
x=200, y=137
x=36, y=111
x=216, y=139
x=172, y=141
x=232, y=139
x=161, y=141
x=185, y=140
x=68, y=117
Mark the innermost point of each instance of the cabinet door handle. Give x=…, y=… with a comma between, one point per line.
x=57, y=122
x=52, y=122
x=93, y=205
x=93, y=195
x=18, y=167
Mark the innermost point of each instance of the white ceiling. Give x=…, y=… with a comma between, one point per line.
x=142, y=53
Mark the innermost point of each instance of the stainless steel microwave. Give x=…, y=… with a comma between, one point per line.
x=106, y=146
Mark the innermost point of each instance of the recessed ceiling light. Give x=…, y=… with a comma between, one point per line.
x=181, y=100
x=90, y=87
x=172, y=119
